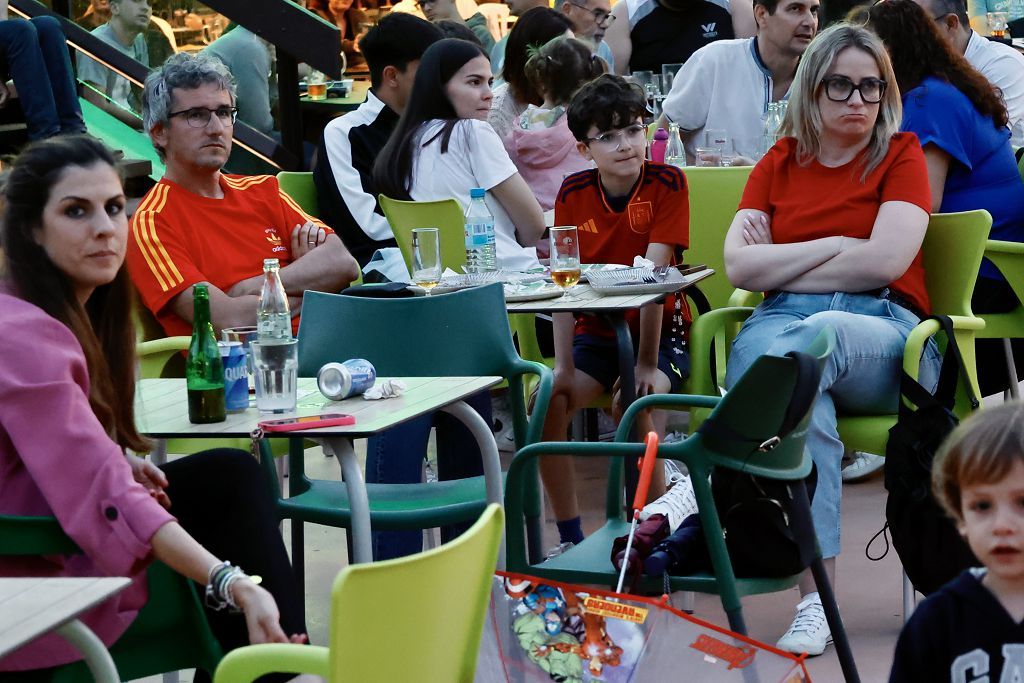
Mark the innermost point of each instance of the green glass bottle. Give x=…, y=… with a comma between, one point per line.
x=204, y=371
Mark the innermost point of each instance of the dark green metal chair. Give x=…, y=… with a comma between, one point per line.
x=464, y=333
x=755, y=407
x=170, y=632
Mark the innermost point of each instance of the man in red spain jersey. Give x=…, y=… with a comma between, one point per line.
x=626, y=207
x=200, y=225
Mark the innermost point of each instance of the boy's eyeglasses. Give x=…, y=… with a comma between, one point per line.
x=612, y=140
x=199, y=117
x=840, y=89
x=601, y=18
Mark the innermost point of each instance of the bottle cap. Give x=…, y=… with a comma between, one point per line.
x=477, y=193
x=269, y=263
x=661, y=134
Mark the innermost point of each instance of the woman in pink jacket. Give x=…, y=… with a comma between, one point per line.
x=66, y=419
x=539, y=142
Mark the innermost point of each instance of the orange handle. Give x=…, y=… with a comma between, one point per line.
x=646, y=469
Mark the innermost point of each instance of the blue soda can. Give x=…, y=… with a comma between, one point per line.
x=236, y=376
x=338, y=381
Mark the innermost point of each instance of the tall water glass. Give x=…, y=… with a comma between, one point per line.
x=276, y=364
x=565, y=257
x=668, y=76
x=426, y=257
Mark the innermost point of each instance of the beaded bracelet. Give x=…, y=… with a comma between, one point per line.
x=218, y=587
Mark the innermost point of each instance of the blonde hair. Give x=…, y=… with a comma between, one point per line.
x=982, y=450
x=803, y=115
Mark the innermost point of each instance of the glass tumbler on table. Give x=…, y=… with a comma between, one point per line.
x=276, y=365
x=426, y=257
x=565, y=257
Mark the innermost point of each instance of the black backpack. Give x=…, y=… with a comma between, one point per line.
x=925, y=538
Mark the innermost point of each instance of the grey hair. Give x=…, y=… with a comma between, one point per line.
x=803, y=117
x=182, y=71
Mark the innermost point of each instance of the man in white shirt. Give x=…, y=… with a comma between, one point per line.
x=125, y=31
x=728, y=84
x=1001, y=64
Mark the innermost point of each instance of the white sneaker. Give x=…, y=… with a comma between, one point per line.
x=863, y=465
x=677, y=504
x=673, y=473
x=809, y=631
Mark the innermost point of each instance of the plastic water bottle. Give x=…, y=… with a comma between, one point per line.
x=273, y=316
x=772, y=121
x=481, y=248
x=658, y=146
x=675, y=155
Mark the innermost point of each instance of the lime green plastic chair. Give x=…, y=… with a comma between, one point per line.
x=444, y=214
x=299, y=186
x=414, y=618
x=464, y=333
x=754, y=408
x=714, y=198
x=170, y=633
x=1008, y=257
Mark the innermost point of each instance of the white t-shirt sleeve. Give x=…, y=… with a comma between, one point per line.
x=687, y=103
x=487, y=157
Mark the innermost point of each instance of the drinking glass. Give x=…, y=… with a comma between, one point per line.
x=565, y=257
x=316, y=86
x=426, y=257
x=668, y=76
x=276, y=365
x=708, y=156
x=997, y=24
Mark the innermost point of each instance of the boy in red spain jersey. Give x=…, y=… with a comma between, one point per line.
x=626, y=207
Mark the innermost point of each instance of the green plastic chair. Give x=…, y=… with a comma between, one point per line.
x=299, y=186
x=444, y=214
x=413, y=618
x=464, y=333
x=755, y=407
x=714, y=198
x=170, y=632
x=1008, y=257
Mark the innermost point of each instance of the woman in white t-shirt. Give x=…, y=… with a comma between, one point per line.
x=443, y=147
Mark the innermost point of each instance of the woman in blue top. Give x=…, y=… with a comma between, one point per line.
x=960, y=120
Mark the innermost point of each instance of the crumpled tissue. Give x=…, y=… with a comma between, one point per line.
x=388, y=388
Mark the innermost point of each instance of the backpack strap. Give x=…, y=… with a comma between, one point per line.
x=953, y=370
x=805, y=389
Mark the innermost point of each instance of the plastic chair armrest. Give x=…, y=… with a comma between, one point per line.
x=706, y=330
x=913, y=351
x=535, y=425
x=1001, y=247
x=154, y=354
x=676, y=402
x=252, y=661
x=741, y=297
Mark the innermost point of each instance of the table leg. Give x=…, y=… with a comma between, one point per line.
x=93, y=650
x=362, y=548
x=627, y=388
x=488, y=452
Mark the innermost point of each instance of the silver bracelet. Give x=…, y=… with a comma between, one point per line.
x=218, y=593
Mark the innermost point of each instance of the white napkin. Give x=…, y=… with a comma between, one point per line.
x=641, y=262
x=388, y=388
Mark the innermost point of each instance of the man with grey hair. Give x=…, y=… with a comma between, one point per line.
x=199, y=225
x=1001, y=64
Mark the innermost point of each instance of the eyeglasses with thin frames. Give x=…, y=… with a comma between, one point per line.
x=601, y=18
x=611, y=141
x=840, y=89
x=199, y=117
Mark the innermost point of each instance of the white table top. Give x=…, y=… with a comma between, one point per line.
x=32, y=607
x=587, y=300
x=161, y=408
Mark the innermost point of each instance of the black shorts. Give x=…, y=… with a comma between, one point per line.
x=598, y=357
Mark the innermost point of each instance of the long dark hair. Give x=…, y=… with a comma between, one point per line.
x=103, y=326
x=918, y=50
x=530, y=32
x=393, y=169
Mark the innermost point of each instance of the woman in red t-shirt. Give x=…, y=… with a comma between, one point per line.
x=830, y=228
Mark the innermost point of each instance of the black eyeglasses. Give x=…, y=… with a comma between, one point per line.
x=840, y=89
x=199, y=117
x=601, y=18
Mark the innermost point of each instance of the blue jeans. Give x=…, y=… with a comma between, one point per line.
x=396, y=457
x=37, y=57
x=861, y=377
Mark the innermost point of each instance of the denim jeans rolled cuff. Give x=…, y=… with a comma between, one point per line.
x=862, y=376
x=396, y=456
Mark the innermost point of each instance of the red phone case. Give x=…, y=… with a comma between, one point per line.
x=291, y=424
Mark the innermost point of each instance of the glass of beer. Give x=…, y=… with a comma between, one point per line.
x=997, y=24
x=316, y=86
x=426, y=257
x=565, y=258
